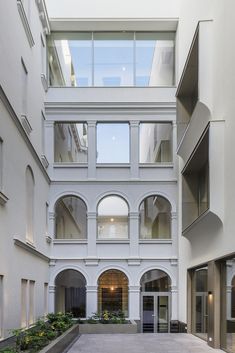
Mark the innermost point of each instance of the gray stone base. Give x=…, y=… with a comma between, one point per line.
x=108, y=328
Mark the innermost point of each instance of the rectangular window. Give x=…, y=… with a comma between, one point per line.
x=71, y=144
x=43, y=55
x=24, y=88
x=155, y=143
x=31, y=302
x=47, y=217
x=43, y=132
x=45, y=299
x=70, y=59
x=154, y=59
x=111, y=59
x=24, y=300
x=1, y=306
x=113, y=143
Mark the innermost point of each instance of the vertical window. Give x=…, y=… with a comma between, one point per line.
x=29, y=204
x=155, y=218
x=1, y=164
x=155, y=143
x=1, y=306
x=200, y=301
x=113, y=59
x=71, y=218
x=43, y=55
x=47, y=217
x=71, y=143
x=154, y=59
x=45, y=299
x=24, y=299
x=112, y=218
x=31, y=302
x=113, y=143
x=43, y=132
x=24, y=88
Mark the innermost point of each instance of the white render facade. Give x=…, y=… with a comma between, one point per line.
x=53, y=180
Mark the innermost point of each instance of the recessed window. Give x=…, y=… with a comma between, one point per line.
x=155, y=143
x=155, y=220
x=113, y=292
x=30, y=185
x=200, y=301
x=71, y=144
x=113, y=143
x=71, y=218
x=195, y=183
x=112, y=218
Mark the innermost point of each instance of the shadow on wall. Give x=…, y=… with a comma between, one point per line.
x=204, y=237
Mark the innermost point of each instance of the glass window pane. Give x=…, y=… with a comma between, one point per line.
x=71, y=218
x=155, y=143
x=155, y=218
x=113, y=59
x=71, y=144
x=113, y=143
x=70, y=59
x=155, y=281
x=154, y=59
x=113, y=218
x=113, y=292
x=201, y=302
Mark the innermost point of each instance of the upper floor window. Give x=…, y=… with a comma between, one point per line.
x=112, y=218
x=71, y=218
x=155, y=143
x=30, y=186
x=104, y=59
x=155, y=219
x=113, y=143
x=71, y=144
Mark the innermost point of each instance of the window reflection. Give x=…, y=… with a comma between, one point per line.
x=201, y=302
x=112, y=218
x=83, y=59
x=155, y=143
x=113, y=143
x=71, y=143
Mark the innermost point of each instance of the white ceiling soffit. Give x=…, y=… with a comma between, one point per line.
x=155, y=24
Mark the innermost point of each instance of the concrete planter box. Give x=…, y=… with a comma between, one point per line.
x=108, y=328
x=62, y=343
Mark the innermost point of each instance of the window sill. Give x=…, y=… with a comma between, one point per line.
x=155, y=241
x=115, y=87
x=156, y=165
x=70, y=165
x=3, y=198
x=25, y=23
x=112, y=241
x=113, y=165
x=70, y=241
x=26, y=125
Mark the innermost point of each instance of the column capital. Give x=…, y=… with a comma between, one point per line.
x=133, y=215
x=134, y=123
x=91, y=123
x=91, y=289
x=52, y=216
x=174, y=289
x=173, y=215
x=91, y=215
x=49, y=123
x=134, y=289
x=52, y=289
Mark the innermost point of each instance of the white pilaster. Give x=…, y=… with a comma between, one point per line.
x=51, y=299
x=134, y=302
x=91, y=150
x=49, y=145
x=91, y=300
x=174, y=303
x=134, y=152
x=91, y=235
x=134, y=234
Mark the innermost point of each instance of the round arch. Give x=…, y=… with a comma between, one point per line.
x=113, y=291
x=70, y=218
x=155, y=280
x=159, y=268
x=112, y=193
x=156, y=193
x=70, y=292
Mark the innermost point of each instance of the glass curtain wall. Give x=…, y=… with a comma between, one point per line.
x=103, y=59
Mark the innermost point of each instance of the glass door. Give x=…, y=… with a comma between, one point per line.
x=155, y=312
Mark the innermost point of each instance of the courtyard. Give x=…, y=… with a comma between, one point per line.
x=141, y=343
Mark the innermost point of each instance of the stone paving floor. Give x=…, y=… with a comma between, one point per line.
x=141, y=343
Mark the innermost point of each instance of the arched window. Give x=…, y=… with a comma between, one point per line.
x=155, y=281
x=71, y=218
x=155, y=218
x=112, y=218
x=29, y=181
x=113, y=292
x=70, y=295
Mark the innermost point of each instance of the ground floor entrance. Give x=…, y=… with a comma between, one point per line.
x=155, y=312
